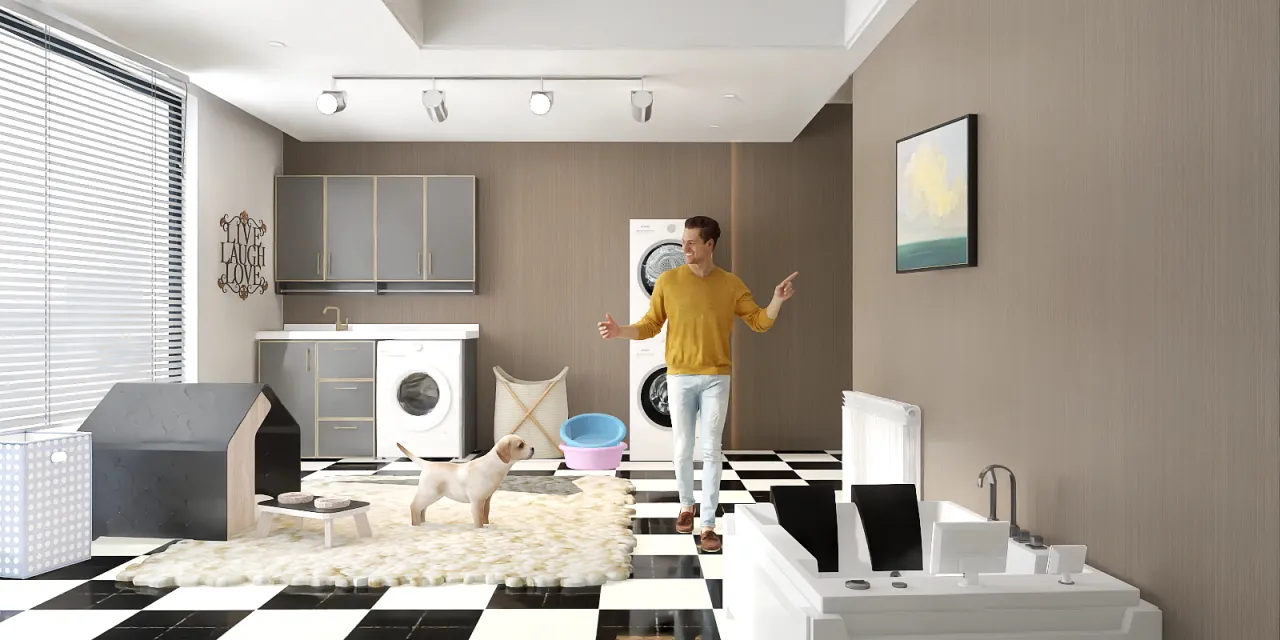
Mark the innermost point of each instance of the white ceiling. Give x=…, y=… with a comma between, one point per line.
x=781, y=59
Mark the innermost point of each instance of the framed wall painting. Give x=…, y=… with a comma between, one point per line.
x=937, y=197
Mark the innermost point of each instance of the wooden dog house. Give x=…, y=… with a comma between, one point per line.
x=186, y=460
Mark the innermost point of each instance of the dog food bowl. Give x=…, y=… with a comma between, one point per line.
x=593, y=430
x=593, y=458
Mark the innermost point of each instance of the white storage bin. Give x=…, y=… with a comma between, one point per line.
x=46, y=501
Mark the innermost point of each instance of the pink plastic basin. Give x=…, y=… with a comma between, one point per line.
x=593, y=458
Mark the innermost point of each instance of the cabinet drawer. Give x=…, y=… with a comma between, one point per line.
x=339, y=439
x=339, y=399
x=345, y=360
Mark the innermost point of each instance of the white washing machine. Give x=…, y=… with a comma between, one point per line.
x=651, y=437
x=426, y=398
x=655, y=248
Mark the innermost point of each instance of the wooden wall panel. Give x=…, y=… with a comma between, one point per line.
x=791, y=213
x=1119, y=344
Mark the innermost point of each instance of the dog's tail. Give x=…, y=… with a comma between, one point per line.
x=409, y=454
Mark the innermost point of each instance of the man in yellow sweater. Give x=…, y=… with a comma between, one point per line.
x=700, y=301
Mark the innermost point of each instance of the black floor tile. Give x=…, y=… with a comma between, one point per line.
x=305, y=474
x=753, y=457
x=761, y=496
x=5, y=615
x=658, y=526
x=810, y=465
x=545, y=598
x=768, y=475
x=192, y=633
x=162, y=548
x=398, y=472
x=379, y=633
x=214, y=619
x=657, y=496
x=801, y=451
x=644, y=474
x=406, y=619
x=725, y=485
x=682, y=625
x=716, y=588
x=104, y=594
x=456, y=619
x=125, y=633
x=837, y=456
x=87, y=570
x=833, y=484
x=531, y=473
x=655, y=567
x=440, y=633
x=325, y=598
x=356, y=466
x=155, y=619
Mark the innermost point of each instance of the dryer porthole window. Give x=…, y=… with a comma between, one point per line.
x=659, y=258
x=653, y=398
x=418, y=394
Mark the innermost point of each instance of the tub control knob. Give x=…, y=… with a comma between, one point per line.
x=1037, y=542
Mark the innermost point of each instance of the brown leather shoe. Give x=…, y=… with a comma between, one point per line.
x=684, y=522
x=710, y=542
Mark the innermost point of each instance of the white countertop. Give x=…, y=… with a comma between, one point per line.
x=373, y=332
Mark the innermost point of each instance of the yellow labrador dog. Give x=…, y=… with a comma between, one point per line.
x=471, y=482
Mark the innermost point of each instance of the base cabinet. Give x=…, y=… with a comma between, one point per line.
x=328, y=388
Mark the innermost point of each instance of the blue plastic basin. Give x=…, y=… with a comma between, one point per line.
x=593, y=430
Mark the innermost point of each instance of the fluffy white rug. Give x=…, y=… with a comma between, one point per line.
x=532, y=540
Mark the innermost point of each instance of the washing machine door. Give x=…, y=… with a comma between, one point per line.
x=653, y=398
x=423, y=397
x=662, y=256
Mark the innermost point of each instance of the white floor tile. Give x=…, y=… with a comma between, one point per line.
x=712, y=565
x=315, y=465
x=364, y=459
x=807, y=457
x=585, y=472
x=751, y=452
x=62, y=625
x=647, y=484
x=111, y=575
x=536, y=465
x=472, y=597
x=647, y=466
x=729, y=497
x=655, y=594
x=820, y=474
x=676, y=544
x=312, y=624
x=656, y=510
x=763, y=485
x=337, y=473
x=401, y=466
x=105, y=546
x=537, y=624
x=19, y=595
x=748, y=465
x=241, y=598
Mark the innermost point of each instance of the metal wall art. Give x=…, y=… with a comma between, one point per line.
x=243, y=256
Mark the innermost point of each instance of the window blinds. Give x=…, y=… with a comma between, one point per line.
x=91, y=170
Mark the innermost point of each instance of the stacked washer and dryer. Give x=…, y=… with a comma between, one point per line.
x=655, y=248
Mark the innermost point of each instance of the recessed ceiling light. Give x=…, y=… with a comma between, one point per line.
x=730, y=96
x=715, y=126
x=277, y=44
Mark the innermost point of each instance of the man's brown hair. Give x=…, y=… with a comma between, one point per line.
x=708, y=228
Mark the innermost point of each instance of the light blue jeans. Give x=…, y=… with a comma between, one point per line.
x=698, y=405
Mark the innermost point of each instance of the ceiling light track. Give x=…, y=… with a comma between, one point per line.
x=433, y=100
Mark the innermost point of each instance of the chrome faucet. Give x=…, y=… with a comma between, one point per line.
x=338, y=324
x=1014, y=530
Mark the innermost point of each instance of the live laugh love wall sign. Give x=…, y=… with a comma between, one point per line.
x=243, y=256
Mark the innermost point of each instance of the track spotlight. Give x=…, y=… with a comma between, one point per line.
x=641, y=105
x=540, y=102
x=434, y=102
x=331, y=102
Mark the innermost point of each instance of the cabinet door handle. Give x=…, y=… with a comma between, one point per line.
x=346, y=428
x=428, y=263
x=419, y=263
x=329, y=261
x=346, y=388
x=318, y=263
x=308, y=358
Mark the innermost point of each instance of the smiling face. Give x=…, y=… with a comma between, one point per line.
x=697, y=250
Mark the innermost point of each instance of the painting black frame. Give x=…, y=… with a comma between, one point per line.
x=971, y=194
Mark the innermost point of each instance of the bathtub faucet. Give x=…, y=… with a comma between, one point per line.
x=1014, y=530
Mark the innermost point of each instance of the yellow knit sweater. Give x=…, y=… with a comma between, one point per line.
x=701, y=312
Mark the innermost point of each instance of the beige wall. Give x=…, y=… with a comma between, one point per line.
x=232, y=165
x=553, y=228
x=1119, y=344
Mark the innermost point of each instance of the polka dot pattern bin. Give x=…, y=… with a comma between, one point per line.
x=46, y=501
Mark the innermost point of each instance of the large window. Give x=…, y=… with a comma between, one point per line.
x=91, y=169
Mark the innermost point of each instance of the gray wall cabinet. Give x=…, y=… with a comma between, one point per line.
x=451, y=228
x=328, y=387
x=348, y=228
x=376, y=234
x=299, y=210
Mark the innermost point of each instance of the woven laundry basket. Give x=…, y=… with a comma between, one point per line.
x=531, y=409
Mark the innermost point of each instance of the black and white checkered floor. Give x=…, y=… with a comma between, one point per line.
x=675, y=592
